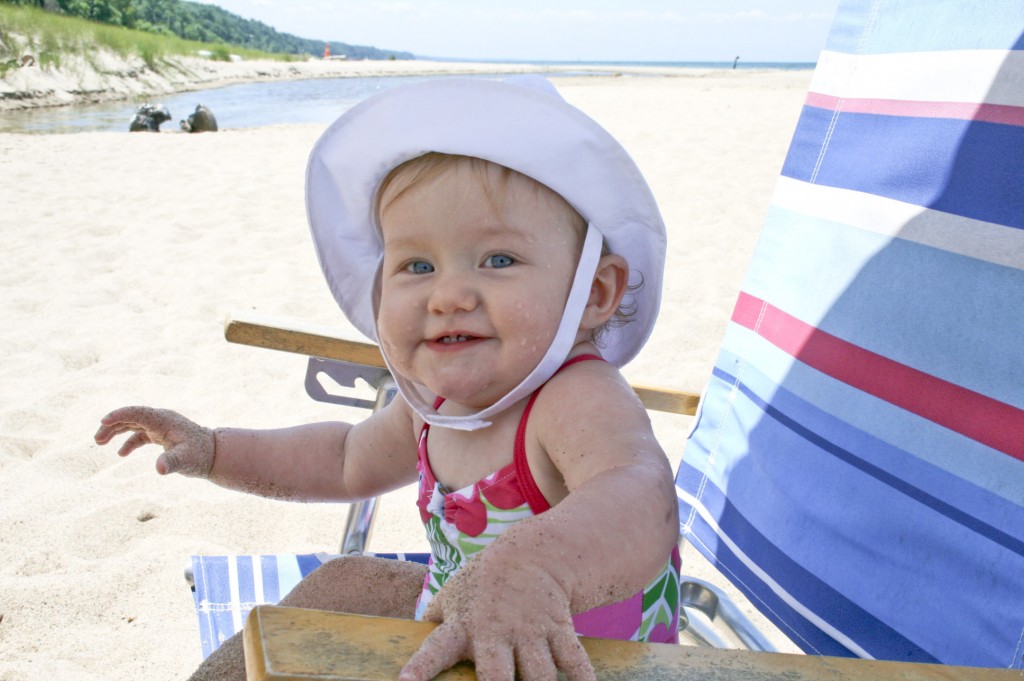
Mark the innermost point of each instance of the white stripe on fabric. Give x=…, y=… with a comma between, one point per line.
x=936, y=290
x=288, y=574
x=257, y=580
x=988, y=242
x=236, y=598
x=776, y=588
x=989, y=76
x=798, y=254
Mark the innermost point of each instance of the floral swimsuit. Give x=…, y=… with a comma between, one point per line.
x=462, y=522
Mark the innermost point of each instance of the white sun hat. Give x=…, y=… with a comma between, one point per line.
x=521, y=123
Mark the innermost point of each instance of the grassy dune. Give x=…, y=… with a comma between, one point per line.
x=50, y=38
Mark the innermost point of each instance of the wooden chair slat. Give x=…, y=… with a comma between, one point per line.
x=291, y=644
x=293, y=337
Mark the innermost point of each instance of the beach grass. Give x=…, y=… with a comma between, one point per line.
x=51, y=37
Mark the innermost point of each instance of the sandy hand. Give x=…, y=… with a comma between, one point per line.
x=188, y=447
x=505, y=619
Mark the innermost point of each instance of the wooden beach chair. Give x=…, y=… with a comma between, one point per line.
x=225, y=588
x=857, y=465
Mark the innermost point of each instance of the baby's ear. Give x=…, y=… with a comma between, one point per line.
x=610, y=283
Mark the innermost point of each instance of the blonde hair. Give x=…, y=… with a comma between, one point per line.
x=433, y=164
x=494, y=179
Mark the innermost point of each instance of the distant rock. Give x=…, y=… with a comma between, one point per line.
x=148, y=118
x=201, y=120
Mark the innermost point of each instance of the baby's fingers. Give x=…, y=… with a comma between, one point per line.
x=124, y=420
x=137, y=440
x=135, y=415
x=571, y=657
x=495, y=662
x=187, y=460
x=445, y=646
x=535, y=661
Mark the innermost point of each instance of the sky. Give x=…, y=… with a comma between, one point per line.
x=560, y=30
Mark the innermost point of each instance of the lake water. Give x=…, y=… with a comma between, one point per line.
x=246, y=105
x=251, y=105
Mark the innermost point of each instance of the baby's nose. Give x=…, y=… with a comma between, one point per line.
x=453, y=293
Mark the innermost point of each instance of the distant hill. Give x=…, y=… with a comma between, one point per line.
x=205, y=23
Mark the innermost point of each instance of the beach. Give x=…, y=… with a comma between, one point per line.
x=124, y=254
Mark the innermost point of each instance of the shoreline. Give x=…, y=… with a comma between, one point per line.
x=107, y=77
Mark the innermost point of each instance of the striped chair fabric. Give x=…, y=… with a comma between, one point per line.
x=857, y=464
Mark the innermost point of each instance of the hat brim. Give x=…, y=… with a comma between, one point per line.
x=524, y=128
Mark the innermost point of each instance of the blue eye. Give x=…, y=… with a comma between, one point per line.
x=419, y=267
x=499, y=260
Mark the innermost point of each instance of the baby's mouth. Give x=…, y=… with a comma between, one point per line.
x=460, y=338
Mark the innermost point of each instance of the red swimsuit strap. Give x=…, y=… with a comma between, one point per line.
x=528, y=486
x=534, y=497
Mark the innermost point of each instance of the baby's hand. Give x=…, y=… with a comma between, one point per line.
x=188, y=447
x=505, y=619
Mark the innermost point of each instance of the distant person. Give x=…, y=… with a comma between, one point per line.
x=495, y=288
x=735, y=61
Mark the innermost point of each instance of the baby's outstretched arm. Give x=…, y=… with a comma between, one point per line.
x=314, y=462
x=510, y=607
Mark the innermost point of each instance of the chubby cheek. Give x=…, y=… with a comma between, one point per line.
x=395, y=331
x=532, y=329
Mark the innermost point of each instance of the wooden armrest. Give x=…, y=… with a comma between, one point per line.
x=289, y=644
x=290, y=336
x=319, y=342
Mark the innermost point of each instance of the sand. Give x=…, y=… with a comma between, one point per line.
x=124, y=254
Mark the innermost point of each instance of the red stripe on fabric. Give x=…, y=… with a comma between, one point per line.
x=967, y=111
x=979, y=417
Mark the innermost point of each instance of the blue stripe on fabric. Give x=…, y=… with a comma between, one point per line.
x=201, y=580
x=809, y=638
x=422, y=558
x=832, y=606
x=961, y=167
x=889, y=554
x=307, y=563
x=271, y=584
x=926, y=304
x=938, y=505
x=216, y=585
x=246, y=586
x=881, y=26
x=966, y=461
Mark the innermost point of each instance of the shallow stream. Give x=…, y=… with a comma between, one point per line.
x=245, y=105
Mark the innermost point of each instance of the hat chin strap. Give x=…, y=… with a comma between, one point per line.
x=556, y=355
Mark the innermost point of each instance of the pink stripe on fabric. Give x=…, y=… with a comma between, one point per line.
x=979, y=417
x=967, y=111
